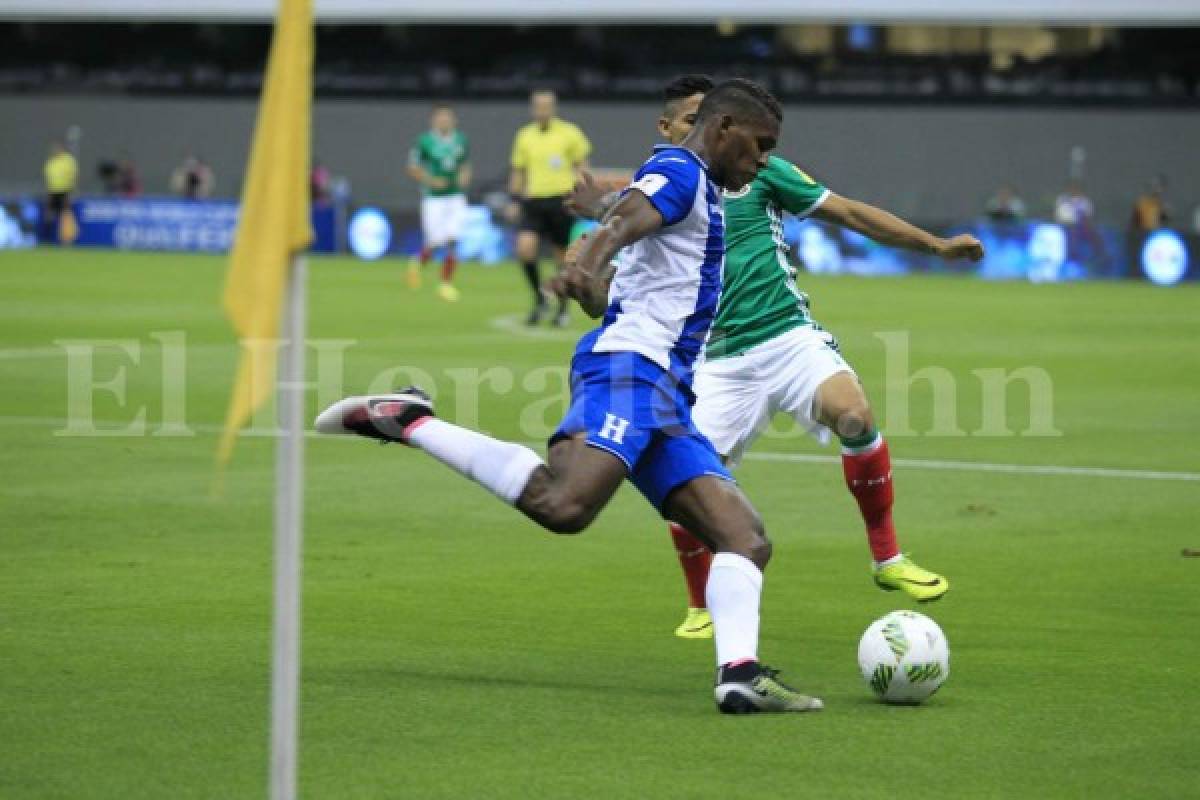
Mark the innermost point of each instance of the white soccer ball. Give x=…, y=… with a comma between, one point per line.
x=904, y=657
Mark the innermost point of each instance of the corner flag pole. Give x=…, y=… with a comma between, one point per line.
x=265, y=300
x=289, y=519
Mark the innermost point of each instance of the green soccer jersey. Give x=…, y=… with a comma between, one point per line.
x=441, y=157
x=759, y=298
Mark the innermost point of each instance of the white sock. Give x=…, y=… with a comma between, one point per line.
x=503, y=468
x=733, y=593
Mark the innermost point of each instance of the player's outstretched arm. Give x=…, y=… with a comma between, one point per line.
x=590, y=200
x=886, y=228
x=587, y=276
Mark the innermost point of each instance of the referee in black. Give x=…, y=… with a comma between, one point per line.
x=547, y=155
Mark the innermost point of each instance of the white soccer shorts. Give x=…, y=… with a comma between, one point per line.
x=737, y=396
x=443, y=218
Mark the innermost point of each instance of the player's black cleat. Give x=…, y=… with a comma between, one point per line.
x=386, y=417
x=751, y=688
x=539, y=313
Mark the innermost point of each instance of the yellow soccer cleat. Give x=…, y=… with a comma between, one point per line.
x=413, y=276
x=918, y=583
x=696, y=625
x=448, y=293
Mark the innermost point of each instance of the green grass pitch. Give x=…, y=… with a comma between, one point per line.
x=453, y=650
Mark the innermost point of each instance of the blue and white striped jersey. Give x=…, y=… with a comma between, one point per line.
x=663, y=297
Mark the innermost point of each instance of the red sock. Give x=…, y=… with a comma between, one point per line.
x=695, y=558
x=424, y=256
x=869, y=478
x=448, y=265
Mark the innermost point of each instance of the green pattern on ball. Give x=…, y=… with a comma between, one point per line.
x=893, y=633
x=881, y=678
x=919, y=673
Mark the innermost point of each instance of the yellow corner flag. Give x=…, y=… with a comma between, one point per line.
x=274, y=223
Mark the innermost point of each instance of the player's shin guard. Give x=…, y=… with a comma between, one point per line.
x=503, y=468
x=734, y=593
x=695, y=559
x=868, y=471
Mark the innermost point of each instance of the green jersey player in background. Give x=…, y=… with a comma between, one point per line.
x=439, y=161
x=766, y=355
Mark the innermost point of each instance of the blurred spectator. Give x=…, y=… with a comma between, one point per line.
x=1073, y=207
x=193, y=179
x=61, y=172
x=120, y=177
x=129, y=182
x=1150, y=209
x=1074, y=211
x=1005, y=206
x=107, y=171
x=320, y=183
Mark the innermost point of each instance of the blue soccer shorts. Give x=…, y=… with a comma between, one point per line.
x=631, y=407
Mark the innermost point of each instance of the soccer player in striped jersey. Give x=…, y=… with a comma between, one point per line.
x=631, y=384
x=766, y=355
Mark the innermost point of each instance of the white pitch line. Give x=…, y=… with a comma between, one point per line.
x=787, y=458
x=27, y=353
x=984, y=466
x=17, y=353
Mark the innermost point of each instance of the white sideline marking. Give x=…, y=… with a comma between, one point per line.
x=790, y=458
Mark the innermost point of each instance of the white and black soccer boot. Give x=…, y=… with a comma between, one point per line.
x=386, y=417
x=751, y=688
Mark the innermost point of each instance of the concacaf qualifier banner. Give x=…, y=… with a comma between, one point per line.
x=205, y=226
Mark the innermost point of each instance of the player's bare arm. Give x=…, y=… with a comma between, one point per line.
x=587, y=277
x=516, y=190
x=886, y=228
x=589, y=199
x=516, y=182
x=464, y=175
x=418, y=174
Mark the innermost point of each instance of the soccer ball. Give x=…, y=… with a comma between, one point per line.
x=904, y=657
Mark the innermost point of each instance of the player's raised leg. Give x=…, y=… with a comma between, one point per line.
x=563, y=496
x=416, y=265
x=716, y=510
x=842, y=406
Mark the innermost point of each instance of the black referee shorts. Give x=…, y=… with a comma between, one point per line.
x=57, y=203
x=546, y=217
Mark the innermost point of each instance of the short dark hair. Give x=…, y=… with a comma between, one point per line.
x=686, y=86
x=739, y=97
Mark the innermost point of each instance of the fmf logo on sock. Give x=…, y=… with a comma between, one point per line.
x=614, y=428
